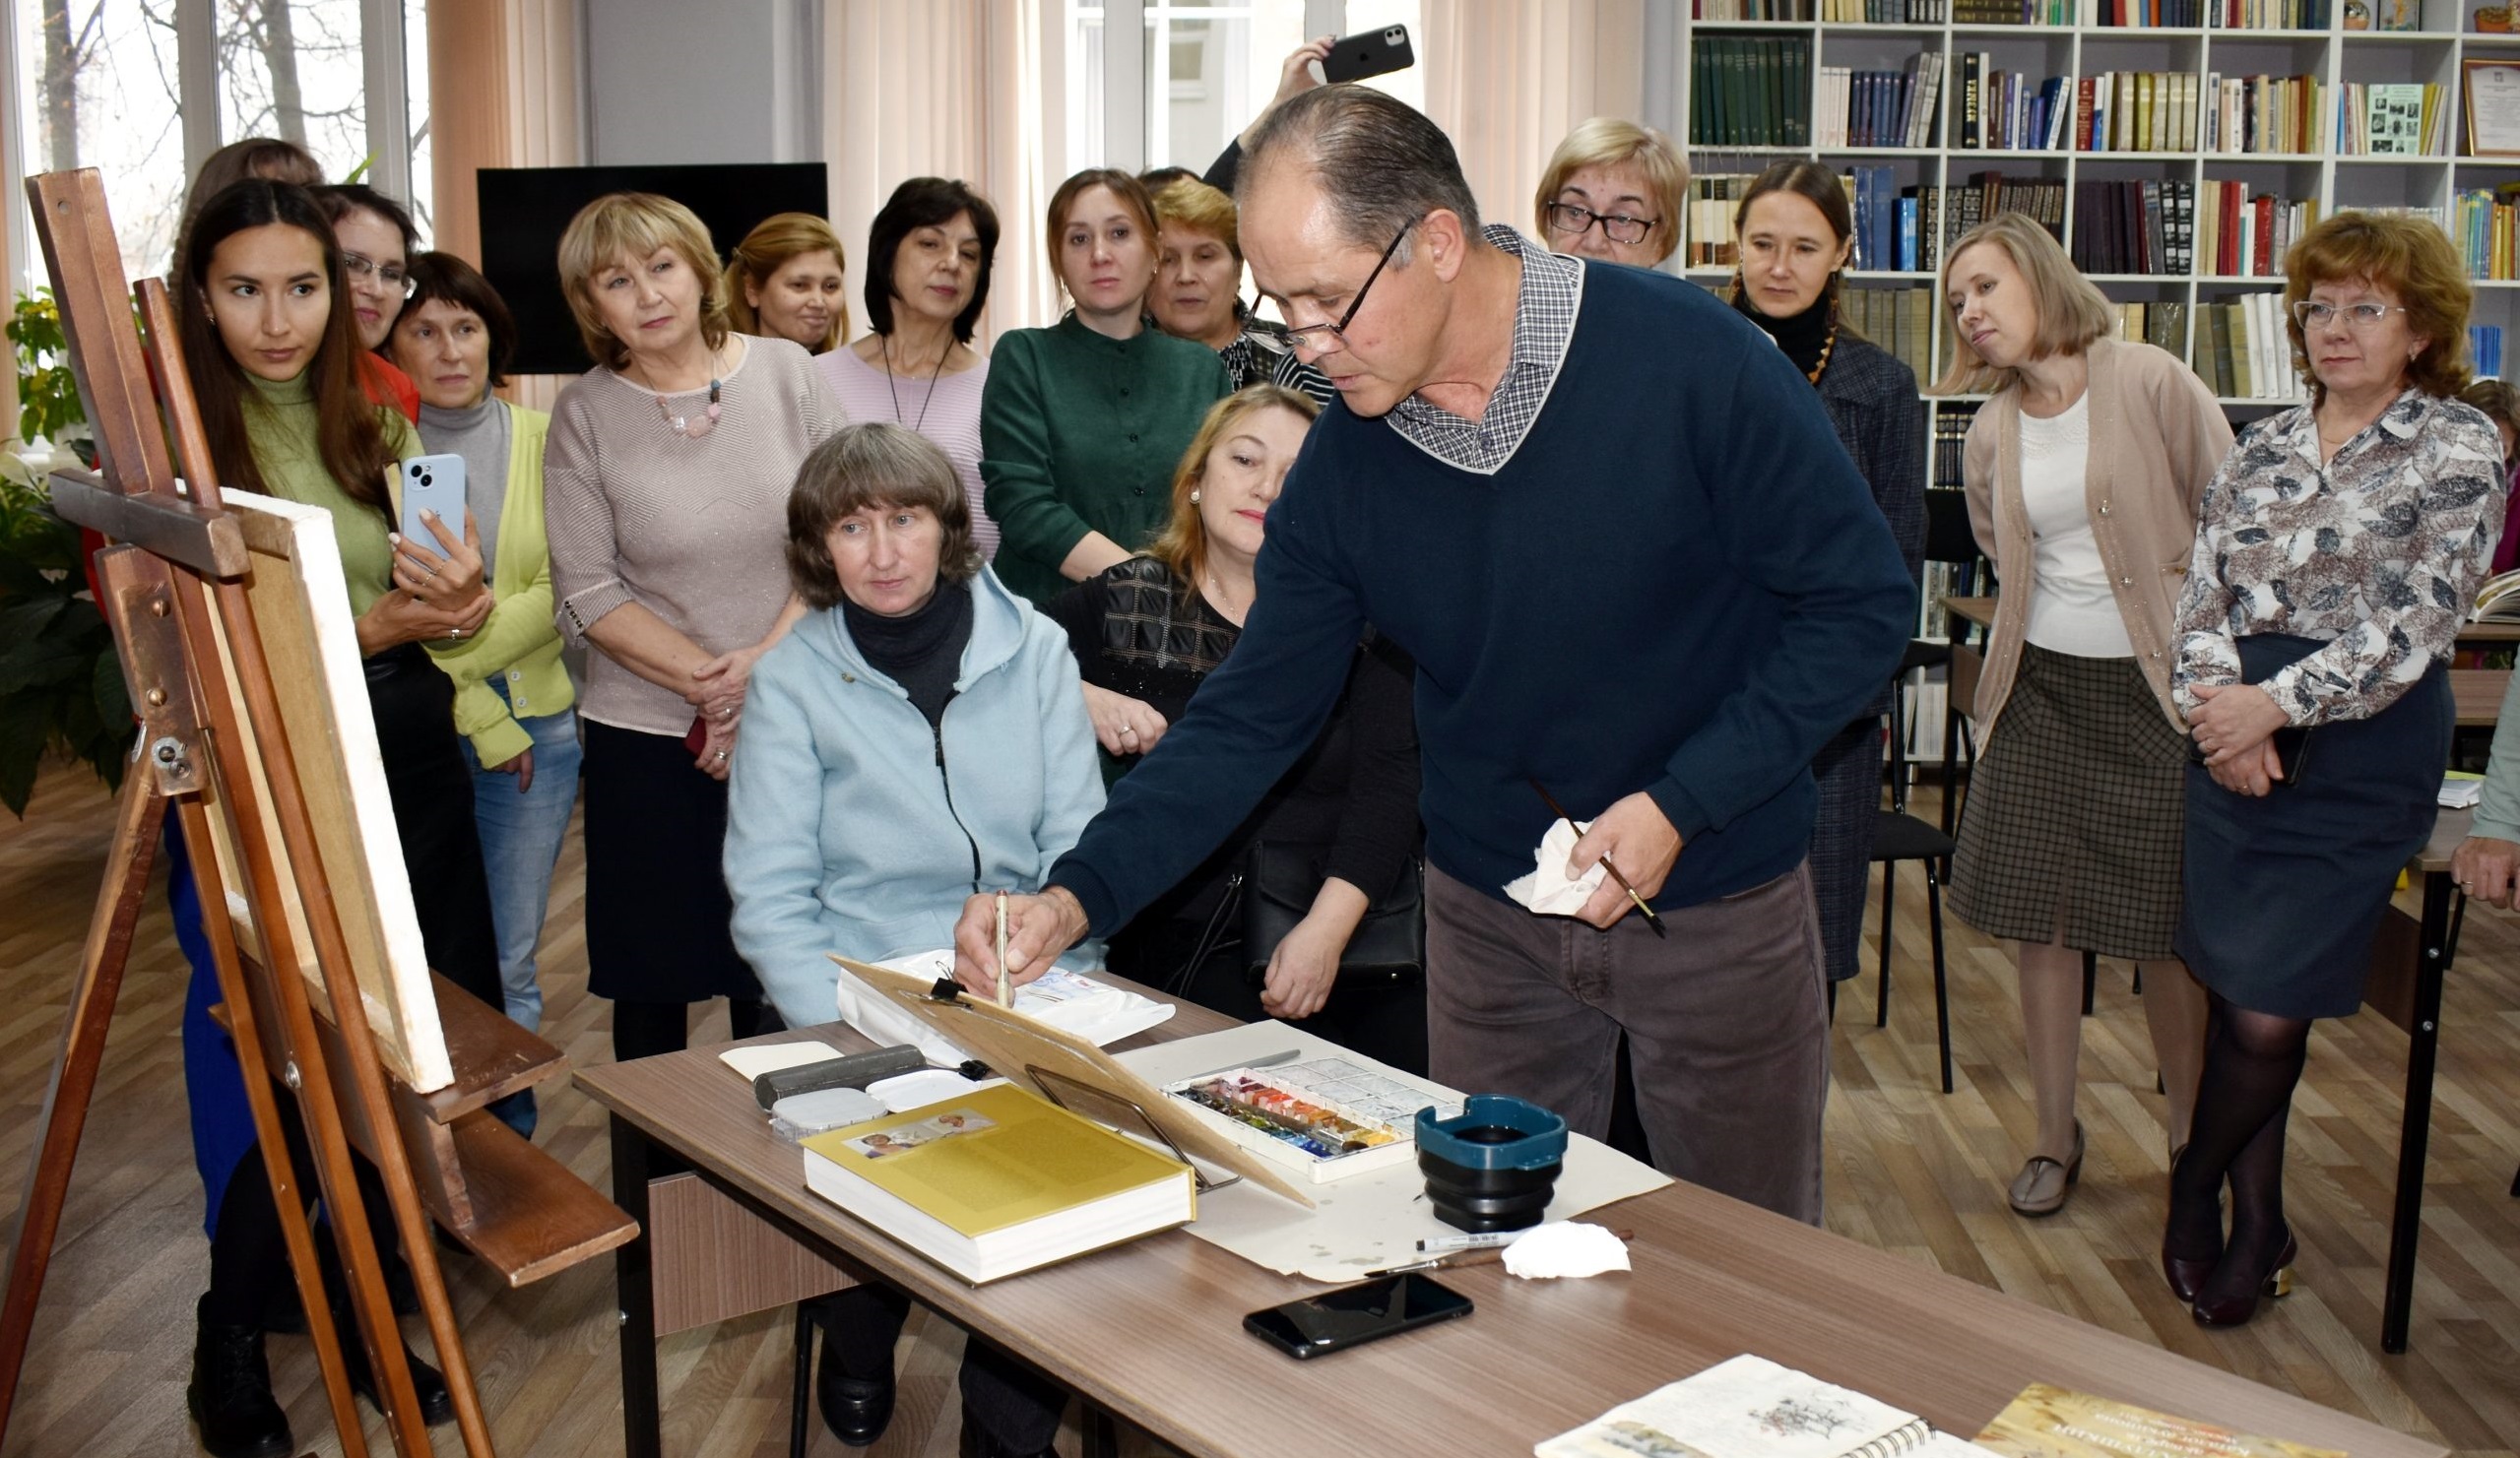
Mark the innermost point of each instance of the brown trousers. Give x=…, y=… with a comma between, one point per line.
x=1727, y=1025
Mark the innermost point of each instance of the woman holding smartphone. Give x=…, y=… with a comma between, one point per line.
x=270, y=345
x=513, y=699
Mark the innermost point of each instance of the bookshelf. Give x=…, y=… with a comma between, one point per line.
x=2188, y=150
x=2326, y=177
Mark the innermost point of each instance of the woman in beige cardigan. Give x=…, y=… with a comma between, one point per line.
x=2083, y=471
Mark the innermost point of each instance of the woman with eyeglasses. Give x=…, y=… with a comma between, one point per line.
x=2083, y=471
x=1613, y=191
x=2341, y=546
x=377, y=242
x=1080, y=424
x=1796, y=234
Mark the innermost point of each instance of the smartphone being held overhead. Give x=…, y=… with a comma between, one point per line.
x=433, y=484
x=1367, y=53
x=1356, y=1314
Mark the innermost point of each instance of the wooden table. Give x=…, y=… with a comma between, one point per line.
x=1150, y=1332
x=2409, y=958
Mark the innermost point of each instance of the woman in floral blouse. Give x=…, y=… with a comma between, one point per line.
x=2339, y=546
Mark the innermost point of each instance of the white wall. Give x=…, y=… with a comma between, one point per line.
x=731, y=82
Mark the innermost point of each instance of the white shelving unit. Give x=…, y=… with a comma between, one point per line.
x=2335, y=182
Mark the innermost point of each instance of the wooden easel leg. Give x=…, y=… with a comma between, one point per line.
x=285, y=1188
x=74, y=1070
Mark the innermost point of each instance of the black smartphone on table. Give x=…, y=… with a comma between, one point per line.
x=1352, y=1315
x=1368, y=53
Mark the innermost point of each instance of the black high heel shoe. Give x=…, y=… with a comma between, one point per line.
x=2186, y=1277
x=2238, y=1308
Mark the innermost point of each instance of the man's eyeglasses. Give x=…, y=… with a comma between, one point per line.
x=1322, y=336
x=2311, y=314
x=1618, y=228
x=391, y=275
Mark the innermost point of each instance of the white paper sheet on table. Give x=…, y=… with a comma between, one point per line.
x=762, y=1058
x=1371, y=1220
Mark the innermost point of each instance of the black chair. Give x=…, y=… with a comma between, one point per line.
x=1899, y=836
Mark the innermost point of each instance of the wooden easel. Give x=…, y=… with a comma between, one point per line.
x=175, y=590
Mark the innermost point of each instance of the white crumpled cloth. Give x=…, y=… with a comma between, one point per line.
x=1548, y=891
x=1566, y=1248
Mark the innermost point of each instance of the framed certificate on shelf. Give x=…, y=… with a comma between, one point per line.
x=2493, y=107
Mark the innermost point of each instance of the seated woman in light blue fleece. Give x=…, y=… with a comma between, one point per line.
x=919, y=735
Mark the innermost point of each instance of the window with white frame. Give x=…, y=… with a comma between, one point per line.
x=106, y=84
x=1207, y=69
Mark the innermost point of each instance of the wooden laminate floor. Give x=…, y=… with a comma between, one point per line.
x=1910, y=1170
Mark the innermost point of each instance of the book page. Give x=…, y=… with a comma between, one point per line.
x=1746, y=1408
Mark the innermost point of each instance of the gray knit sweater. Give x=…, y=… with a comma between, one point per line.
x=693, y=528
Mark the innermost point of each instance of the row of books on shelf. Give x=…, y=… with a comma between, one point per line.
x=1881, y=109
x=1753, y=91
x=2242, y=237
x=2485, y=349
x=2223, y=14
x=2392, y=120
x=2130, y=226
x=2484, y=225
x=2242, y=350
x=2006, y=110
x=1880, y=12
x=1749, y=90
x=1898, y=320
x=1897, y=228
x=2228, y=15
x=2161, y=325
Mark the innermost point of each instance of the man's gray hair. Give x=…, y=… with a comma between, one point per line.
x=1380, y=159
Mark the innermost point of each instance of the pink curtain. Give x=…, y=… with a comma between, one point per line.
x=1508, y=79
x=964, y=89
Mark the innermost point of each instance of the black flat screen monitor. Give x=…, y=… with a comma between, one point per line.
x=525, y=209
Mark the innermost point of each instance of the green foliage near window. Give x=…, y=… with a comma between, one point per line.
x=60, y=680
x=48, y=405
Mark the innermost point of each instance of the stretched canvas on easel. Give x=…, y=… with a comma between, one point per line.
x=312, y=642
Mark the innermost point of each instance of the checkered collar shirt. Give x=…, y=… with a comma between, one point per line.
x=1543, y=327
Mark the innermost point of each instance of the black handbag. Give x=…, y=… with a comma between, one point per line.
x=1279, y=882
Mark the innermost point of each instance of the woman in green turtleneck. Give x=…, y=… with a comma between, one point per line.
x=274, y=367
x=1081, y=423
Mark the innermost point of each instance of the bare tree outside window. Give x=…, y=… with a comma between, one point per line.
x=292, y=69
x=100, y=86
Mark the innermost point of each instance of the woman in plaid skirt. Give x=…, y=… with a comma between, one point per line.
x=2083, y=473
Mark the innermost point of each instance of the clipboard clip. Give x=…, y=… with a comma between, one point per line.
x=947, y=989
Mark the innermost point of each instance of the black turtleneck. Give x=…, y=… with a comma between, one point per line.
x=1801, y=336
x=920, y=651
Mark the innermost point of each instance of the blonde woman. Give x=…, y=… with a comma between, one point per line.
x=788, y=280
x=1147, y=633
x=666, y=482
x=2083, y=470
x=1613, y=191
x=1197, y=293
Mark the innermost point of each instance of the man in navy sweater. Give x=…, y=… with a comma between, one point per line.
x=1615, y=530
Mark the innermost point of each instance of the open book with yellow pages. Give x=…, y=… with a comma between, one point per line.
x=2046, y=1421
x=997, y=1180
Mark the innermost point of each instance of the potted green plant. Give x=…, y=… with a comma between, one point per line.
x=61, y=685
